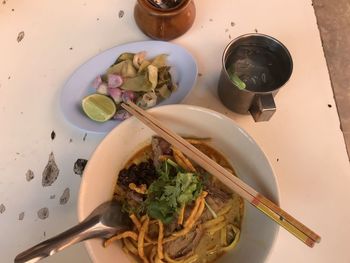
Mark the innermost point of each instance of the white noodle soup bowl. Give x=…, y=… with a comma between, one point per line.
x=258, y=232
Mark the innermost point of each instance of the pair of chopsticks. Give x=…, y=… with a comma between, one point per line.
x=245, y=191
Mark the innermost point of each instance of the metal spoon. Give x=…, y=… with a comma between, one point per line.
x=105, y=221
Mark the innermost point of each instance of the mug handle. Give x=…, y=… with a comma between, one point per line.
x=263, y=107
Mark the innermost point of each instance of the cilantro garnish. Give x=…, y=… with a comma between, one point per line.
x=173, y=189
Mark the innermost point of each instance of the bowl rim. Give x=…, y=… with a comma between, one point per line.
x=173, y=107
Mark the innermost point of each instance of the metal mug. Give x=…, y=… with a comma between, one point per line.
x=264, y=65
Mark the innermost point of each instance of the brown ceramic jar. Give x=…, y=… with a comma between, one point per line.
x=164, y=24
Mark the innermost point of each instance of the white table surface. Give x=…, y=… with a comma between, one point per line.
x=303, y=140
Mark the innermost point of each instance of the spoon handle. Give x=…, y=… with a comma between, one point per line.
x=87, y=229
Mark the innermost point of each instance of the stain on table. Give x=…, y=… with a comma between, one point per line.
x=43, y=213
x=79, y=166
x=53, y=135
x=50, y=172
x=65, y=196
x=2, y=208
x=21, y=216
x=20, y=36
x=29, y=175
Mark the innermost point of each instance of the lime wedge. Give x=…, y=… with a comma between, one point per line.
x=99, y=107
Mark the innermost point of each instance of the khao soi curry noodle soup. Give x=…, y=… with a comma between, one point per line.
x=180, y=213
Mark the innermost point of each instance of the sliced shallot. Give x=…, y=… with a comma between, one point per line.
x=116, y=94
x=114, y=80
x=97, y=82
x=102, y=89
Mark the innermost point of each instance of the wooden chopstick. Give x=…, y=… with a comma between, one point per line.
x=245, y=191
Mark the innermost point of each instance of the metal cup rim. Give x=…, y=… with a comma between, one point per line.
x=264, y=36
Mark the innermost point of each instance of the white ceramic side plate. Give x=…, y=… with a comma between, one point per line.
x=183, y=69
x=250, y=163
